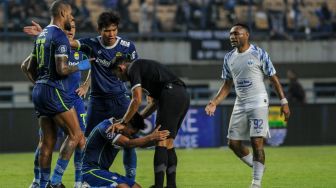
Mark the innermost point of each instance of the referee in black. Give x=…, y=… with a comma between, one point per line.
x=170, y=99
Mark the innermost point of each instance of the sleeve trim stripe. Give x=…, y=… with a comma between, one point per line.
x=61, y=55
x=116, y=138
x=135, y=86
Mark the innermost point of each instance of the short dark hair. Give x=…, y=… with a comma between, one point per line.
x=119, y=59
x=106, y=19
x=243, y=26
x=57, y=6
x=137, y=122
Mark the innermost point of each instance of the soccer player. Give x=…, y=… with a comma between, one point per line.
x=169, y=97
x=48, y=68
x=245, y=67
x=75, y=91
x=108, y=96
x=102, y=147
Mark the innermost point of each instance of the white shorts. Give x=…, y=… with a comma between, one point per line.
x=245, y=124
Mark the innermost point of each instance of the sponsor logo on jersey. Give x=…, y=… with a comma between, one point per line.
x=243, y=83
x=103, y=62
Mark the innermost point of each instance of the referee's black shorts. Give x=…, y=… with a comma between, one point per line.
x=173, y=105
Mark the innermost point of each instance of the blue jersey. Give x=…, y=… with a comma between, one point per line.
x=99, y=152
x=74, y=79
x=103, y=82
x=51, y=42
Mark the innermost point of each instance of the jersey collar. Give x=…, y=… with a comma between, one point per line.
x=108, y=47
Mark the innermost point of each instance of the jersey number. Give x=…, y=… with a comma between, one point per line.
x=40, y=51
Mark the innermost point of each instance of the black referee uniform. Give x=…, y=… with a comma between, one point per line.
x=161, y=84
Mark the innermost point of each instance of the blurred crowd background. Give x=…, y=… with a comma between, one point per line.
x=275, y=19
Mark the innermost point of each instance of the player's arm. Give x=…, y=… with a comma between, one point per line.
x=134, y=105
x=155, y=136
x=149, y=108
x=84, y=88
x=284, y=103
x=31, y=75
x=222, y=93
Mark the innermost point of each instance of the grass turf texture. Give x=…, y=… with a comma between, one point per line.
x=291, y=167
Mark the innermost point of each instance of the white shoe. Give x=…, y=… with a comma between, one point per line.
x=78, y=185
x=85, y=185
x=255, y=186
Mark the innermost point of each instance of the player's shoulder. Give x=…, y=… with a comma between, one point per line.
x=257, y=51
x=55, y=31
x=229, y=55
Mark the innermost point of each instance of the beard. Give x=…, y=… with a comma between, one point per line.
x=67, y=26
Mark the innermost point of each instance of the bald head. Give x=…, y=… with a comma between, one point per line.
x=58, y=6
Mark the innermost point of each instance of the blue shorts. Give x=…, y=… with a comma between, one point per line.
x=100, y=109
x=103, y=178
x=49, y=101
x=81, y=114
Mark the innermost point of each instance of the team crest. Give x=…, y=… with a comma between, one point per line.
x=76, y=55
x=250, y=62
x=62, y=48
x=118, y=54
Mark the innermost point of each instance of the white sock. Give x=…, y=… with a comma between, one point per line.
x=258, y=172
x=248, y=159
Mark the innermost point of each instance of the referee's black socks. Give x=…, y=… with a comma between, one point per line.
x=171, y=168
x=160, y=165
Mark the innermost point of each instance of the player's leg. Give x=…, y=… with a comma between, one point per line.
x=238, y=131
x=48, y=137
x=78, y=154
x=36, y=181
x=96, y=113
x=258, y=121
x=170, y=117
x=104, y=178
x=75, y=138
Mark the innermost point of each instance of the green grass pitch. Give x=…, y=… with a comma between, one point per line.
x=290, y=167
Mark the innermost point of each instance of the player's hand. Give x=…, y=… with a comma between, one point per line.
x=83, y=89
x=284, y=110
x=33, y=30
x=157, y=135
x=210, y=109
x=117, y=128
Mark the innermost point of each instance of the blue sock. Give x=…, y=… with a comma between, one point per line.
x=44, y=177
x=78, y=164
x=130, y=162
x=59, y=171
x=36, y=166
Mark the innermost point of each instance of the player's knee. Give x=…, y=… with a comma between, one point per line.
x=233, y=145
x=136, y=186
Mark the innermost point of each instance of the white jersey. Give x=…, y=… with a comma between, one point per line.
x=247, y=70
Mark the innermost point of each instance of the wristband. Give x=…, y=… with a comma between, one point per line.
x=84, y=65
x=283, y=101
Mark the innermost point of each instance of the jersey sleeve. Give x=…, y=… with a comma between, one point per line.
x=110, y=137
x=132, y=51
x=62, y=45
x=84, y=45
x=226, y=73
x=134, y=75
x=267, y=65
